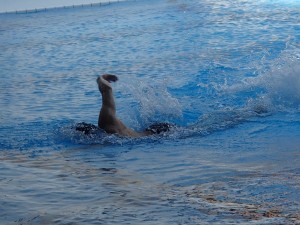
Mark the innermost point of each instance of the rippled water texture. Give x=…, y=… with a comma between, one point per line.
x=225, y=72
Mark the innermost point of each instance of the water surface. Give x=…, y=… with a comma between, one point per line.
x=226, y=72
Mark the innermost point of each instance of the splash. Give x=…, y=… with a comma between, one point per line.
x=154, y=101
x=283, y=82
x=275, y=88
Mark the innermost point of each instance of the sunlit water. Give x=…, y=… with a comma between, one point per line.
x=227, y=73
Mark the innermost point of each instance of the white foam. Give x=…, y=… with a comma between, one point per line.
x=278, y=87
x=154, y=100
x=283, y=84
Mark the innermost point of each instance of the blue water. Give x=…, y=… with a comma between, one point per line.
x=226, y=72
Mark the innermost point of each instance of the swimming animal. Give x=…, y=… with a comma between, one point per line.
x=108, y=120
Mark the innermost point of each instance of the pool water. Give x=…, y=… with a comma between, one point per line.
x=227, y=73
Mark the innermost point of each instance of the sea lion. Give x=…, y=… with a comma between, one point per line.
x=108, y=120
